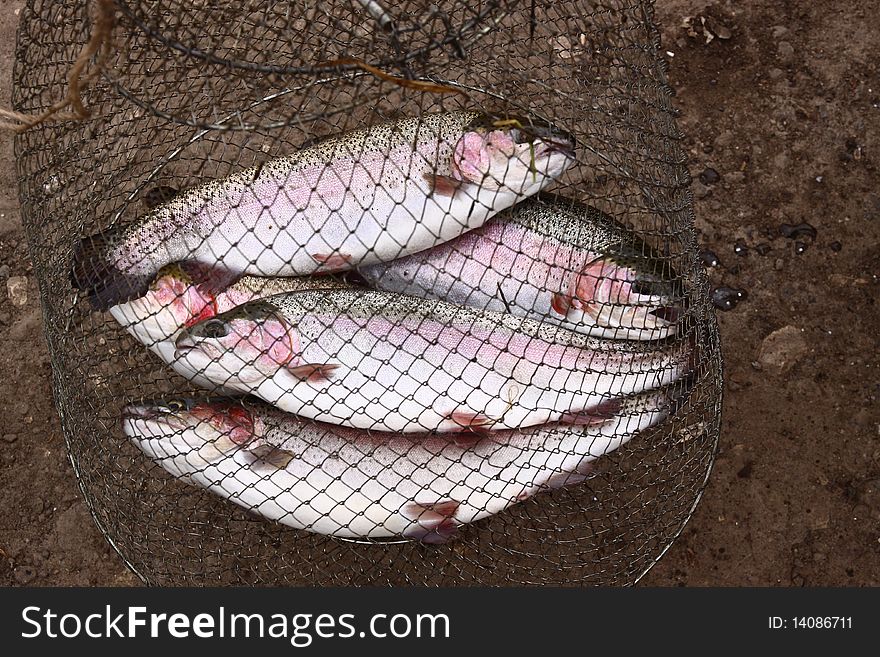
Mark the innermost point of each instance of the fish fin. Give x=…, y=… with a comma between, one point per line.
x=442, y=185
x=158, y=195
x=601, y=413
x=560, y=304
x=210, y=279
x=314, y=372
x=92, y=272
x=475, y=423
x=333, y=261
x=562, y=479
x=270, y=458
x=587, y=307
x=434, y=523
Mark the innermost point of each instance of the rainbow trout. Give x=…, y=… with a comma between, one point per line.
x=553, y=260
x=366, y=196
x=387, y=362
x=361, y=484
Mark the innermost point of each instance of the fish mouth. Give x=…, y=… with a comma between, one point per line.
x=183, y=345
x=566, y=145
x=138, y=413
x=670, y=314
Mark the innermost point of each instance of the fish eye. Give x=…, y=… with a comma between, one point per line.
x=175, y=405
x=214, y=328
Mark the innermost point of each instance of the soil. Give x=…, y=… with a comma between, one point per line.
x=782, y=125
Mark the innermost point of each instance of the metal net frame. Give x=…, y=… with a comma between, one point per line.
x=205, y=100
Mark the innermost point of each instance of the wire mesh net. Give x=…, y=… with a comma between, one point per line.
x=362, y=293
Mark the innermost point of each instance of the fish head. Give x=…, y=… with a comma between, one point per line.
x=248, y=343
x=629, y=295
x=516, y=154
x=172, y=301
x=188, y=434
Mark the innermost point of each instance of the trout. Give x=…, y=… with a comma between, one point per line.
x=354, y=483
x=549, y=259
x=366, y=196
x=388, y=362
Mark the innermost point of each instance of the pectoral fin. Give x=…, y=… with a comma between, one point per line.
x=333, y=261
x=269, y=458
x=476, y=424
x=434, y=522
x=560, y=304
x=443, y=185
x=314, y=372
x=601, y=413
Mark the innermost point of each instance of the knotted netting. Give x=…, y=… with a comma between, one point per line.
x=356, y=292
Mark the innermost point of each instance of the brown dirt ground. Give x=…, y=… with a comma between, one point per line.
x=787, y=111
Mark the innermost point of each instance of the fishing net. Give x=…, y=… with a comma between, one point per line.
x=184, y=93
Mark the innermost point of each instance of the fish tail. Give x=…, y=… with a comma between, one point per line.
x=95, y=272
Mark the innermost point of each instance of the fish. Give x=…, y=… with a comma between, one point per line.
x=365, y=196
x=550, y=259
x=359, y=484
x=389, y=362
x=185, y=293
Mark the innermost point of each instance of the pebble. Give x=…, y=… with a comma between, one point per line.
x=735, y=176
x=4, y=271
x=778, y=31
x=700, y=190
x=785, y=51
x=779, y=264
x=727, y=298
x=25, y=575
x=724, y=139
x=763, y=248
x=709, y=176
x=782, y=349
x=775, y=73
x=10, y=437
x=16, y=290
x=794, y=231
x=709, y=258
x=721, y=32
x=835, y=246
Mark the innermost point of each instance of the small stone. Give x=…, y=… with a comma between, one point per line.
x=835, y=246
x=9, y=437
x=775, y=73
x=778, y=31
x=721, y=32
x=24, y=575
x=709, y=258
x=16, y=290
x=726, y=298
x=4, y=271
x=785, y=51
x=735, y=176
x=724, y=139
x=782, y=349
x=778, y=264
x=795, y=231
x=709, y=176
x=700, y=190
